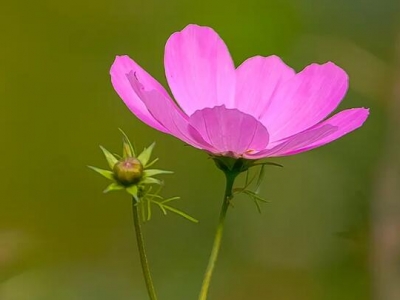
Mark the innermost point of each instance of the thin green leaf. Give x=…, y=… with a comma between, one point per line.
x=260, y=178
x=258, y=206
x=160, y=206
x=144, y=157
x=147, y=192
x=237, y=191
x=269, y=164
x=170, y=199
x=142, y=211
x=128, y=150
x=113, y=187
x=151, y=196
x=181, y=213
x=247, y=178
x=157, y=191
x=247, y=184
x=106, y=173
x=153, y=172
x=109, y=157
x=254, y=196
x=148, y=210
x=250, y=181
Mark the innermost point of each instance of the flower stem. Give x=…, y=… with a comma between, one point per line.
x=142, y=252
x=230, y=179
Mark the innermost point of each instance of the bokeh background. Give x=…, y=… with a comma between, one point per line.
x=332, y=228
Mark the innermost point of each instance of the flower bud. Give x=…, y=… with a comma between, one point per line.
x=128, y=171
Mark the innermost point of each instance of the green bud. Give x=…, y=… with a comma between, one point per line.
x=128, y=171
x=132, y=174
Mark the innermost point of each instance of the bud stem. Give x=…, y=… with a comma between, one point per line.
x=230, y=179
x=142, y=252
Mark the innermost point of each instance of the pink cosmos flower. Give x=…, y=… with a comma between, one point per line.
x=262, y=108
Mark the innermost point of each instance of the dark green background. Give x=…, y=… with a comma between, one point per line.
x=61, y=238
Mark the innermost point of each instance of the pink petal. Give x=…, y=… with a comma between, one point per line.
x=305, y=100
x=257, y=80
x=347, y=121
x=168, y=114
x=199, y=69
x=122, y=66
x=230, y=131
x=325, y=132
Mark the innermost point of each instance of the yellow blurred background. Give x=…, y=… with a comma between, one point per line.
x=332, y=228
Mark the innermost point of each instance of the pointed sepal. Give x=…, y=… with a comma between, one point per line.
x=105, y=173
x=144, y=157
x=111, y=159
x=134, y=192
x=151, y=180
x=113, y=187
x=127, y=148
x=153, y=172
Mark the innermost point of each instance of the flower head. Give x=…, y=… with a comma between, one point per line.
x=262, y=108
x=129, y=172
x=132, y=174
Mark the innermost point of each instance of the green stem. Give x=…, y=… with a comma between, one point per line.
x=142, y=252
x=230, y=179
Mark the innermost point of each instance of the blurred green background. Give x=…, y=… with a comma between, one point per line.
x=332, y=228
